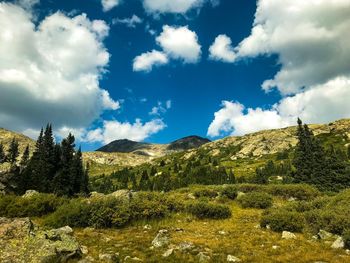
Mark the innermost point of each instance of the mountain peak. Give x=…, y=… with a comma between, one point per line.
x=123, y=145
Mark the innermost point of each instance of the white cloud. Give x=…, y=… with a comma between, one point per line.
x=319, y=104
x=180, y=43
x=27, y=4
x=309, y=37
x=129, y=22
x=161, y=108
x=50, y=72
x=222, y=50
x=109, y=4
x=312, y=43
x=146, y=61
x=171, y=6
x=115, y=130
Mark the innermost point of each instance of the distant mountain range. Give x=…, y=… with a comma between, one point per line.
x=128, y=146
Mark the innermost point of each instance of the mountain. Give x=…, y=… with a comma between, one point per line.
x=243, y=153
x=123, y=146
x=187, y=143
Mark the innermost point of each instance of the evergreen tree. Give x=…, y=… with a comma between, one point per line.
x=145, y=184
x=25, y=158
x=13, y=152
x=2, y=154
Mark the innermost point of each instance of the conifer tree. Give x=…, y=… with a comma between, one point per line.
x=25, y=158
x=2, y=154
x=13, y=152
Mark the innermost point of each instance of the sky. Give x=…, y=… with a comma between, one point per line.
x=159, y=70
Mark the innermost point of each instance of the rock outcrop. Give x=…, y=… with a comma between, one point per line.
x=22, y=241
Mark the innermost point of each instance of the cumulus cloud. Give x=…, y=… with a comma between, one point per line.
x=313, y=47
x=108, y=5
x=171, y=6
x=310, y=38
x=161, y=108
x=177, y=43
x=50, y=72
x=146, y=61
x=222, y=49
x=180, y=43
x=130, y=22
x=319, y=104
x=115, y=130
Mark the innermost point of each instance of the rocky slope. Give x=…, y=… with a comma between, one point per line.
x=6, y=137
x=187, y=143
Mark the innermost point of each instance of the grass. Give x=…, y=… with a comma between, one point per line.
x=241, y=239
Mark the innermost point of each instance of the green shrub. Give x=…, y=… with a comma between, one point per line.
x=346, y=238
x=148, y=205
x=229, y=191
x=298, y=191
x=208, y=210
x=210, y=193
x=283, y=220
x=255, y=200
x=37, y=205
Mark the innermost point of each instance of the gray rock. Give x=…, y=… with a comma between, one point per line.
x=288, y=235
x=35, y=245
x=122, y=194
x=231, y=258
x=162, y=239
x=108, y=258
x=338, y=243
x=185, y=246
x=168, y=252
x=30, y=194
x=202, y=257
x=322, y=234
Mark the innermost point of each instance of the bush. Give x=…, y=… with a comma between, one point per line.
x=298, y=191
x=37, y=205
x=255, y=200
x=230, y=192
x=207, y=210
x=148, y=205
x=346, y=238
x=210, y=193
x=283, y=220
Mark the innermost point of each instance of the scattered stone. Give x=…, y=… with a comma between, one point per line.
x=291, y=199
x=122, y=194
x=128, y=258
x=322, y=234
x=185, y=246
x=30, y=194
x=191, y=196
x=257, y=226
x=231, y=258
x=338, y=243
x=84, y=250
x=108, y=257
x=147, y=227
x=168, y=252
x=161, y=239
x=275, y=247
x=65, y=230
x=268, y=227
x=240, y=194
x=347, y=251
x=288, y=235
x=202, y=257
x=222, y=233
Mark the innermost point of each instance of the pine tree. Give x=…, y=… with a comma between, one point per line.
x=25, y=158
x=13, y=152
x=2, y=154
x=144, y=184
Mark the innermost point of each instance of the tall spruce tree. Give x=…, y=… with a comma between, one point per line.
x=25, y=158
x=13, y=152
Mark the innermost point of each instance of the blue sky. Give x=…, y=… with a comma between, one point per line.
x=89, y=58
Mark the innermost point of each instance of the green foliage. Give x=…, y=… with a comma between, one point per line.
x=13, y=152
x=205, y=192
x=346, y=238
x=282, y=220
x=148, y=205
x=36, y=205
x=255, y=200
x=298, y=191
x=209, y=210
x=229, y=191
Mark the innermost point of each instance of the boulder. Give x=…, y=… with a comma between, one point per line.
x=202, y=257
x=288, y=235
x=168, y=252
x=322, y=234
x=108, y=258
x=122, y=194
x=231, y=258
x=162, y=239
x=338, y=243
x=21, y=241
x=30, y=194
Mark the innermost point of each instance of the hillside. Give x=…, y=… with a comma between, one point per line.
x=244, y=153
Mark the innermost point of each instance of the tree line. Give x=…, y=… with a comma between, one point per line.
x=52, y=168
